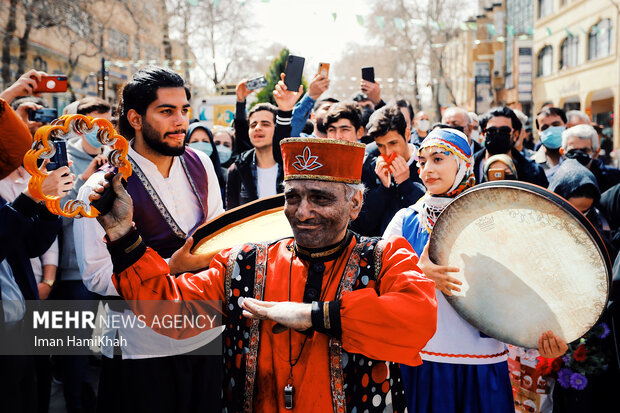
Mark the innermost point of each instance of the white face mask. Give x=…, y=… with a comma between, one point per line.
x=475, y=135
x=424, y=125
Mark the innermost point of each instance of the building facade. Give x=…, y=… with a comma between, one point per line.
x=577, y=60
x=99, y=44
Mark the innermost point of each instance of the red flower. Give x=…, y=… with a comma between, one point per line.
x=557, y=364
x=580, y=353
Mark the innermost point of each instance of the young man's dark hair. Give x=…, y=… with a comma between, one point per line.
x=92, y=104
x=345, y=110
x=320, y=102
x=404, y=103
x=264, y=106
x=502, y=111
x=551, y=111
x=386, y=119
x=141, y=91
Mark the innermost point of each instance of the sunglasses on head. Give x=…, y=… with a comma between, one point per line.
x=502, y=129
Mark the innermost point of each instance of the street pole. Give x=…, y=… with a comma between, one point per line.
x=103, y=78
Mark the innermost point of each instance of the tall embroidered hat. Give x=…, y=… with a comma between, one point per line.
x=322, y=159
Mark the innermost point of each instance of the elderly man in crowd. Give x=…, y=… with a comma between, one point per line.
x=581, y=142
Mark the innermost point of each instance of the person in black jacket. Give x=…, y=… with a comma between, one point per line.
x=391, y=175
x=501, y=127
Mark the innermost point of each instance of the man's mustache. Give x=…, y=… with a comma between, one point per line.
x=176, y=132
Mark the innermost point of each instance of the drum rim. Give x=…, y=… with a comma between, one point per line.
x=562, y=203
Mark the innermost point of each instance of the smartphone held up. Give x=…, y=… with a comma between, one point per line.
x=294, y=72
x=44, y=115
x=256, y=83
x=51, y=84
x=324, y=69
x=368, y=74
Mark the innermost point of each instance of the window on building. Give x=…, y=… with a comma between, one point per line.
x=599, y=40
x=545, y=8
x=545, y=61
x=569, y=56
x=119, y=43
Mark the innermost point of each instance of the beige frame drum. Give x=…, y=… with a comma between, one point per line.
x=530, y=262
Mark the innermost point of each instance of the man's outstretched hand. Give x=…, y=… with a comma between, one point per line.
x=289, y=314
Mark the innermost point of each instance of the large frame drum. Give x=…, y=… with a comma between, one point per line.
x=530, y=262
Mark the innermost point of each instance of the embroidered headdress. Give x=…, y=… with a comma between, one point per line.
x=322, y=159
x=456, y=144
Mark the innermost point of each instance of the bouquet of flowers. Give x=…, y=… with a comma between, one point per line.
x=586, y=357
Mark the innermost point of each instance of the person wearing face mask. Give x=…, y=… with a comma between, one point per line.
x=550, y=123
x=225, y=147
x=421, y=127
x=458, y=118
x=501, y=127
x=475, y=128
x=200, y=138
x=581, y=142
x=468, y=374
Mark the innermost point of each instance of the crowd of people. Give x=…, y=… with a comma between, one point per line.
x=392, y=341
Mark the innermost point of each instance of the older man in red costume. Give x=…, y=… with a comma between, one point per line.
x=318, y=322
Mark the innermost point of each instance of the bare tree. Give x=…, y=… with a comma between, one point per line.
x=404, y=41
x=9, y=32
x=426, y=27
x=219, y=33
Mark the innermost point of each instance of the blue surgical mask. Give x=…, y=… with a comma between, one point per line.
x=552, y=137
x=203, y=146
x=91, y=138
x=224, y=153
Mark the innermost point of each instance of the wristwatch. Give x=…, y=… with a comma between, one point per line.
x=48, y=282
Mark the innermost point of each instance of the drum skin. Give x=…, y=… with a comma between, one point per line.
x=530, y=262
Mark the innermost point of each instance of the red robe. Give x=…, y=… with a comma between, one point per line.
x=390, y=320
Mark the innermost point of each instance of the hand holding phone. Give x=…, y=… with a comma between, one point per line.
x=51, y=84
x=293, y=72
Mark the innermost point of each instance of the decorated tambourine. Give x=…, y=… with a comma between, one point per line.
x=60, y=130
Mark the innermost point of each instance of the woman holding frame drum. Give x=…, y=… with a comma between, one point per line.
x=463, y=369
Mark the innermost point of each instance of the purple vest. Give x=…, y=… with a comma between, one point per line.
x=156, y=226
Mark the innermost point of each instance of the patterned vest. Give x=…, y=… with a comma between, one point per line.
x=152, y=219
x=357, y=382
